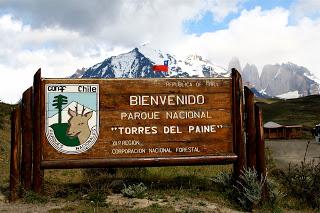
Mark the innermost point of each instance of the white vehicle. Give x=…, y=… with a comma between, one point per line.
x=317, y=133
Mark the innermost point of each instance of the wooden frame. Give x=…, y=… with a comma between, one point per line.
x=33, y=104
x=15, y=153
x=37, y=135
x=27, y=139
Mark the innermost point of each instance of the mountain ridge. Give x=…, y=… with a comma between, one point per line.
x=277, y=80
x=274, y=80
x=138, y=63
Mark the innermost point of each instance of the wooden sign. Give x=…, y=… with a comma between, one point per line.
x=136, y=122
x=90, y=123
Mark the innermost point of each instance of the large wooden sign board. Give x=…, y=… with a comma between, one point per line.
x=90, y=123
x=136, y=122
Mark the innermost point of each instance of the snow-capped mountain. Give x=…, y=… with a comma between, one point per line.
x=275, y=80
x=286, y=80
x=138, y=64
x=129, y=65
x=287, y=77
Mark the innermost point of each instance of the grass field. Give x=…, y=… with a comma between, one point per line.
x=305, y=111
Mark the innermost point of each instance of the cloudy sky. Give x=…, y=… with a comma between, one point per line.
x=61, y=36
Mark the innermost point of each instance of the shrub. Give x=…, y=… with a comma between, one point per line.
x=303, y=181
x=274, y=196
x=225, y=182
x=249, y=189
x=32, y=197
x=97, y=196
x=134, y=190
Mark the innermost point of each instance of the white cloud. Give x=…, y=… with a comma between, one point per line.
x=305, y=8
x=119, y=22
x=221, y=9
x=61, y=36
x=260, y=37
x=57, y=51
x=110, y=22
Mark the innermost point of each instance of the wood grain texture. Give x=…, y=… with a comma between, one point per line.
x=15, y=153
x=135, y=162
x=250, y=126
x=153, y=86
x=26, y=119
x=37, y=155
x=114, y=95
x=238, y=131
x=261, y=160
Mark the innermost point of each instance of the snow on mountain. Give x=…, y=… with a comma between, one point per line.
x=282, y=78
x=128, y=65
x=279, y=79
x=312, y=77
x=263, y=91
x=289, y=95
x=79, y=73
x=65, y=116
x=196, y=66
x=138, y=64
x=156, y=56
x=274, y=80
x=192, y=65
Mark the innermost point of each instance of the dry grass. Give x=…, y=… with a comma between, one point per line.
x=4, y=144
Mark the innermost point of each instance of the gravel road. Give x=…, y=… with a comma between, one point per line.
x=293, y=151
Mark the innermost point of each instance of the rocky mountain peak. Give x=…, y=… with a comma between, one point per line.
x=235, y=63
x=250, y=76
x=275, y=80
x=281, y=79
x=138, y=63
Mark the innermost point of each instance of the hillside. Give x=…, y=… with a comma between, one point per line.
x=5, y=110
x=303, y=110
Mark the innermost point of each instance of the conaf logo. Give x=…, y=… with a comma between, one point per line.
x=72, y=116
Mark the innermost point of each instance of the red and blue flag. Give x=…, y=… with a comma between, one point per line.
x=161, y=68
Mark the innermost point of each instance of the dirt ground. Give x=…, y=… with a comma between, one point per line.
x=117, y=200
x=184, y=205
x=20, y=207
x=293, y=151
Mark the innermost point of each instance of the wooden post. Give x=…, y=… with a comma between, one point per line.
x=261, y=159
x=26, y=119
x=37, y=172
x=238, y=133
x=15, y=153
x=250, y=129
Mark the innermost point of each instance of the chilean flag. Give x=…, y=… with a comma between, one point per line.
x=161, y=68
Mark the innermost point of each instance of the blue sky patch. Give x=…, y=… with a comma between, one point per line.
x=207, y=23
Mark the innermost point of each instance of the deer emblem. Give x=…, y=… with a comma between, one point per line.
x=78, y=124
